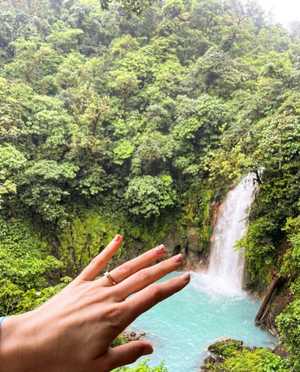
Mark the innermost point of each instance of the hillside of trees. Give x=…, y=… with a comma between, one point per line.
x=136, y=117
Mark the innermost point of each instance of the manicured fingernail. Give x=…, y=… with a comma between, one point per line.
x=186, y=277
x=178, y=258
x=118, y=238
x=148, y=349
x=161, y=249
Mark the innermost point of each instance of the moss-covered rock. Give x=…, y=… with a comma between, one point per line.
x=231, y=355
x=226, y=348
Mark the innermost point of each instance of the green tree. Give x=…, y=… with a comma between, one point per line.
x=12, y=163
x=148, y=196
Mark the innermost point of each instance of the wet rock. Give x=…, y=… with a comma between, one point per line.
x=208, y=362
x=134, y=335
x=281, y=351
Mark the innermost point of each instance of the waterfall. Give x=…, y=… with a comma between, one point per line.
x=226, y=264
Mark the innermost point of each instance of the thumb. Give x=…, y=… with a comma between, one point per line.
x=126, y=354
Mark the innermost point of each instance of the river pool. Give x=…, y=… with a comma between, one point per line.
x=182, y=327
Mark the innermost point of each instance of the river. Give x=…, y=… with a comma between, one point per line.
x=182, y=327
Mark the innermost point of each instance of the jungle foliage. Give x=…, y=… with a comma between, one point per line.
x=133, y=117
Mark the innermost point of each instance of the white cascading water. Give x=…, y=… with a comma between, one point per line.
x=226, y=264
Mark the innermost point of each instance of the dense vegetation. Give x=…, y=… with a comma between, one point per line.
x=136, y=117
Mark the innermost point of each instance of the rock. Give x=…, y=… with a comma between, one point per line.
x=224, y=346
x=134, y=335
x=281, y=351
x=209, y=361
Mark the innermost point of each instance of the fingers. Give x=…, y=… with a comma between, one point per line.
x=125, y=354
x=145, y=277
x=147, y=298
x=129, y=268
x=99, y=262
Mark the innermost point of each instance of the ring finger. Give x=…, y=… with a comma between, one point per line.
x=131, y=267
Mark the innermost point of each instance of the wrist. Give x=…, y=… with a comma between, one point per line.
x=17, y=344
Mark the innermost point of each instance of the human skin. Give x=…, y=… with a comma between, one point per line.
x=74, y=331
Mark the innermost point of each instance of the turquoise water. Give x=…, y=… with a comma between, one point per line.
x=182, y=327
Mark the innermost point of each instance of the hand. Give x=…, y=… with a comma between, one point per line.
x=74, y=331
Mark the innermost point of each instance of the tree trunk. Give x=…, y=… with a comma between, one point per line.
x=266, y=304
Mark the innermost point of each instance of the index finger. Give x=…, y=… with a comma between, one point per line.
x=99, y=262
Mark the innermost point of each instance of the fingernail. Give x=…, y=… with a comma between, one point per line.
x=186, y=277
x=148, y=349
x=161, y=249
x=118, y=238
x=178, y=258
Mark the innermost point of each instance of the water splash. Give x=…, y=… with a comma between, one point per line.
x=226, y=264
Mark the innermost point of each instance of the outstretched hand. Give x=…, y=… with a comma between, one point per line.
x=74, y=331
